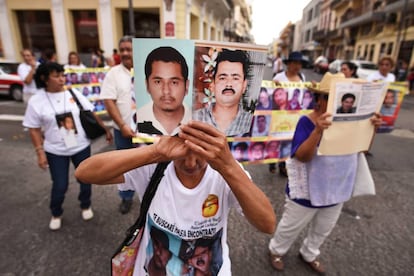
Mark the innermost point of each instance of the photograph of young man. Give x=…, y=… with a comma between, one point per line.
x=166, y=80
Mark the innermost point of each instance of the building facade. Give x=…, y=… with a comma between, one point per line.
x=84, y=26
x=367, y=29
x=356, y=29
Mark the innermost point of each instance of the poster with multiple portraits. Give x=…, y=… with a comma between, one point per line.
x=180, y=80
x=88, y=81
x=277, y=112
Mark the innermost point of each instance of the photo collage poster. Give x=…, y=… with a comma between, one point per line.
x=266, y=115
x=391, y=105
x=88, y=81
x=277, y=112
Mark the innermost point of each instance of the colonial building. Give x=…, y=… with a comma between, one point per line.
x=356, y=29
x=367, y=29
x=83, y=26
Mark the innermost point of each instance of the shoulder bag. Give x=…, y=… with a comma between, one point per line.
x=89, y=123
x=123, y=261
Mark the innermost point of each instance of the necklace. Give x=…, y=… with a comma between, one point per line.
x=58, y=101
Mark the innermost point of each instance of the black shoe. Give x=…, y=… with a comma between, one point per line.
x=272, y=168
x=125, y=206
x=283, y=172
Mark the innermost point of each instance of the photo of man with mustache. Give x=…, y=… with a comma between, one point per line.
x=228, y=86
x=166, y=79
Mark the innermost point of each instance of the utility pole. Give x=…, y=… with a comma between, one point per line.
x=401, y=25
x=131, y=18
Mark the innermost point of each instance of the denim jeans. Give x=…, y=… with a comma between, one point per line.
x=59, y=171
x=123, y=143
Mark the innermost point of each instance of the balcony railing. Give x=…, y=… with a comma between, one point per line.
x=319, y=35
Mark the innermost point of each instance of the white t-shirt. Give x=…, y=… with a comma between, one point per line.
x=117, y=86
x=376, y=76
x=146, y=113
x=73, y=66
x=281, y=77
x=186, y=217
x=23, y=70
x=41, y=113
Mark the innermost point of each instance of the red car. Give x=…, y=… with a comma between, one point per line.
x=11, y=85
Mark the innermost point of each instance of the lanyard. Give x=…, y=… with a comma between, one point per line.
x=64, y=102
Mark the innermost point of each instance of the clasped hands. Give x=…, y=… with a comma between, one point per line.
x=198, y=138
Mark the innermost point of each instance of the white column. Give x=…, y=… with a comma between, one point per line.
x=188, y=19
x=218, y=24
x=210, y=19
x=105, y=22
x=201, y=25
x=59, y=31
x=5, y=33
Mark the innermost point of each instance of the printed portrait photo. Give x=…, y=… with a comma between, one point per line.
x=163, y=76
x=226, y=86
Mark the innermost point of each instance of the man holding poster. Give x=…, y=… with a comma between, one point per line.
x=229, y=85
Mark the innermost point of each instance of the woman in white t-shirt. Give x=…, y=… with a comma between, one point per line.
x=48, y=111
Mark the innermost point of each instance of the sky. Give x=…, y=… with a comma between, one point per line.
x=271, y=16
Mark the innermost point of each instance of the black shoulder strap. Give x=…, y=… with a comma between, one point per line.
x=131, y=232
x=76, y=99
x=300, y=76
x=148, y=195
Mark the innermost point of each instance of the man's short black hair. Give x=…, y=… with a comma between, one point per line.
x=166, y=54
x=347, y=95
x=234, y=56
x=241, y=145
x=160, y=236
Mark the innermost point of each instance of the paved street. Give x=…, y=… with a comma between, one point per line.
x=373, y=235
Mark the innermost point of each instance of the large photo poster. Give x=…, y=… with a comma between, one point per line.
x=163, y=76
x=226, y=85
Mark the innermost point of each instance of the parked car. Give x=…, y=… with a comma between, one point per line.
x=335, y=66
x=365, y=68
x=321, y=65
x=9, y=67
x=307, y=62
x=11, y=85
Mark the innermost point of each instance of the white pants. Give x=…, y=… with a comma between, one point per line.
x=296, y=217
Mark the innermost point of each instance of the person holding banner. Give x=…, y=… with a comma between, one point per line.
x=317, y=197
x=166, y=79
x=294, y=64
x=229, y=85
x=117, y=95
x=74, y=61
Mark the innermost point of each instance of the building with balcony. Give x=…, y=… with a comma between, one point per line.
x=369, y=29
x=83, y=26
x=310, y=21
